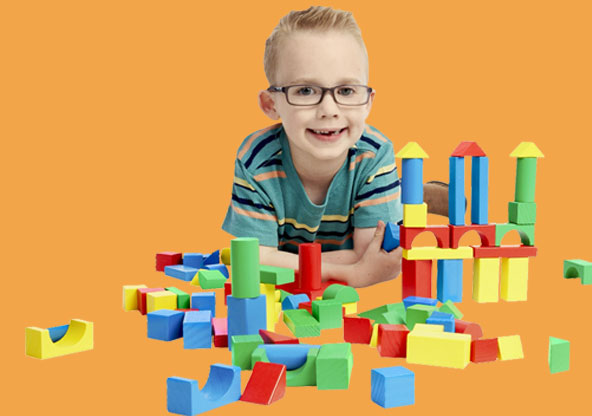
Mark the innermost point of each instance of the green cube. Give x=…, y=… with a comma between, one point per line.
x=558, y=355
x=242, y=349
x=328, y=312
x=211, y=279
x=522, y=212
x=418, y=314
x=334, y=366
x=301, y=323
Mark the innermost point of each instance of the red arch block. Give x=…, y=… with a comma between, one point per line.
x=485, y=231
x=441, y=232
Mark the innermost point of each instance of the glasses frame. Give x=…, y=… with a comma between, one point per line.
x=324, y=91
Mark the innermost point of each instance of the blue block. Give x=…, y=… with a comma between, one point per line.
x=197, y=330
x=57, y=332
x=246, y=316
x=392, y=386
x=223, y=387
x=412, y=181
x=165, y=325
x=213, y=258
x=391, y=237
x=204, y=301
x=479, y=190
x=195, y=260
x=450, y=280
x=293, y=356
x=418, y=300
x=456, y=191
x=220, y=267
x=292, y=301
x=180, y=271
x=441, y=318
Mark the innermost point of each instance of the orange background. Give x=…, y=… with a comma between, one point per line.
x=119, y=126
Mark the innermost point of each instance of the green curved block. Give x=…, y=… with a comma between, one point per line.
x=578, y=268
x=526, y=233
x=244, y=260
x=303, y=376
x=344, y=294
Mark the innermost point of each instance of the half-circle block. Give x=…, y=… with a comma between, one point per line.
x=441, y=232
x=578, y=268
x=78, y=338
x=526, y=233
x=468, y=149
x=303, y=376
x=293, y=356
x=223, y=387
x=486, y=233
x=344, y=294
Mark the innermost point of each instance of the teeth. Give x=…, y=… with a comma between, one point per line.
x=327, y=133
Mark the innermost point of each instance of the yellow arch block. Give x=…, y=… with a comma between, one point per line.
x=435, y=253
x=78, y=338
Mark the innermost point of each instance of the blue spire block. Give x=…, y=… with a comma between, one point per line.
x=479, y=190
x=450, y=280
x=391, y=237
x=412, y=181
x=456, y=191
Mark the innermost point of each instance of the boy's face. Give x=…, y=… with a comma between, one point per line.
x=327, y=60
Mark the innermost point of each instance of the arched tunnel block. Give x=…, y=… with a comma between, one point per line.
x=578, y=268
x=526, y=233
x=39, y=343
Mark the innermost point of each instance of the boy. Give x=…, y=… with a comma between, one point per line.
x=322, y=174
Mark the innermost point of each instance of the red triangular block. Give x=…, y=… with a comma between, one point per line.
x=267, y=383
x=274, y=338
x=468, y=149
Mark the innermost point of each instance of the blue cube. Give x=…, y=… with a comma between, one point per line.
x=246, y=316
x=195, y=260
x=204, y=301
x=441, y=318
x=392, y=386
x=165, y=324
x=197, y=330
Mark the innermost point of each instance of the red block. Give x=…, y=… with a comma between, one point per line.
x=485, y=231
x=306, y=305
x=392, y=340
x=220, y=331
x=417, y=278
x=167, y=258
x=274, y=338
x=357, y=330
x=507, y=252
x=267, y=383
x=309, y=266
x=484, y=350
x=464, y=327
x=142, y=297
x=227, y=290
x=441, y=232
x=468, y=149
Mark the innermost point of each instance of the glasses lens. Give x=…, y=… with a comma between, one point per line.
x=304, y=94
x=351, y=94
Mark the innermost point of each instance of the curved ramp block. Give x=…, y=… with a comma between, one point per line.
x=306, y=375
x=293, y=356
x=39, y=343
x=223, y=387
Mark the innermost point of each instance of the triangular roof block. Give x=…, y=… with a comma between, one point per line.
x=527, y=149
x=412, y=150
x=468, y=149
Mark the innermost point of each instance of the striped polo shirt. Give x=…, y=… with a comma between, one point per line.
x=269, y=201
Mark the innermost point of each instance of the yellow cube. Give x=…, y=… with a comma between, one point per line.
x=160, y=300
x=514, y=284
x=350, y=308
x=130, y=297
x=486, y=280
x=415, y=215
x=509, y=348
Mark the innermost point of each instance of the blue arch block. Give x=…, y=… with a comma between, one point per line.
x=412, y=181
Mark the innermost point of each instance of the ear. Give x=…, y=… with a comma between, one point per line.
x=267, y=105
x=372, y=94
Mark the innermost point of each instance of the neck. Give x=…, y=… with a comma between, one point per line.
x=316, y=173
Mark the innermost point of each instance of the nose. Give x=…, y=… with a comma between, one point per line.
x=327, y=107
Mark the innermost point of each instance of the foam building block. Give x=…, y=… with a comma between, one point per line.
x=181, y=272
x=165, y=324
x=456, y=191
x=392, y=318
x=514, y=279
x=350, y=308
x=441, y=318
x=522, y=213
x=197, y=330
x=301, y=323
x=195, y=260
x=471, y=328
x=276, y=275
x=266, y=385
x=416, y=278
x=392, y=340
x=342, y=293
x=435, y=253
x=220, y=329
x=418, y=314
x=483, y=350
x=246, y=316
x=412, y=181
x=242, y=348
x=486, y=233
x=486, y=280
x=334, y=366
x=525, y=171
x=303, y=376
x=274, y=338
x=479, y=190
x=167, y=258
x=432, y=346
x=142, y=292
x=225, y=256
x=415, y=215
x=218, y=267
x=510, y=348
x=244, y=260
x=212, y=258
x=160, y=300
x=509, y=251
x=392, y=386
x=293, y=356
x=328, y=312
x=450, y=280
x=292, y=301
x=374, y=337
x=558, y=356
x=204, y=301
x=268, y=290
x=77, y=337
x=210, y=279
x=357, y=330
x=526, y=233
x=376, y=313
x=130, y=297
x=183, y=299
x=223, y=387
x=450, y=307
x=391, y=238
x=419, y=300
x=578, y=268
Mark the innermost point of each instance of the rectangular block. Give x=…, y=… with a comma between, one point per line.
x=450, y=280
x=479, y=190
x=301, y=323
x=418, y=314
x=483, y=350
x=441, y=318
x=209, y=279
x=197, y=330
x=357, y=330
x=456, y=191
x=195, y=260
x=183, y=299
x=142, y=292
x=509, y=251
x=276, y=275
x=514, y=282
x=246, y=316
x=167, y=258
x=416, y=278
x=181, y=272
x=130, y=297
x=443, y=349
x=220, y=329
x=328, y=312
x=435, y=253
x=558, y=355
x=242, y=348
x=392, y=340
x=510, y=348
x=486, y=280
x=160, y=300
x=415, y=215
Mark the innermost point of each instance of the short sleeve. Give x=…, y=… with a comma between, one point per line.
x=250, y=213
x=378, y=196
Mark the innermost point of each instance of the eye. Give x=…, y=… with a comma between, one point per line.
x=305, y=91
x=346, y=91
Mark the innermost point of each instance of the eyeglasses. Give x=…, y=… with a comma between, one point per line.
x=313, y=95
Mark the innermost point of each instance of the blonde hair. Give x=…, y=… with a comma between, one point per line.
x=315, y=18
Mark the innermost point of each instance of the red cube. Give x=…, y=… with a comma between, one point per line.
x=392, y=340
x=484, y=350
x=357, y=330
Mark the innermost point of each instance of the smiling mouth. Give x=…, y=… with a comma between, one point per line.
x=328, y=132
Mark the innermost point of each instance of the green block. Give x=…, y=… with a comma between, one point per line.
x=376, y=313
x=334, y=366
x=450, y=307
x=284, y=295
x=244, y=260
x=392, y=318
x=418, y=314
x=344, y=294
x=525, y=179
x=328, y=312
x=522, y=213
x=526, y=233
x=578, y=268
x=211, y=279
x=275, y=275
x=242, y=349
x=558, y=355
x=303, y=376
x=301, y=323
x=183, y=299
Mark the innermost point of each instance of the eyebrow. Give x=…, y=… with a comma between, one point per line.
x=310, y=81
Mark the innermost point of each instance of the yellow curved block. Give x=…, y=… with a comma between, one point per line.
x=78, y=338
x=225, y=256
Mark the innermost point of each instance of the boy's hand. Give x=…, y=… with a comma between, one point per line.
x=376, y=265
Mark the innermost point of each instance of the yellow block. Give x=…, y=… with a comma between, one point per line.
x=435, y=253
x=225, y=256
x=130, y=297
x=278, y=295
x=514, y=285
x=319, y=298
x=374, y=337
x=160, y=300
x=78, y=338
x=509, y=348
x=486, y=280
x=428, y=328
x=412, y=150
x=278, y=311
x=442, y=349
x=269, y=291
x=415, y=215
x=350, y=308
